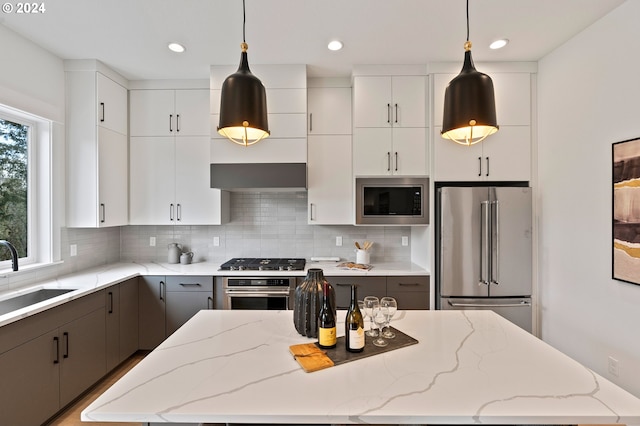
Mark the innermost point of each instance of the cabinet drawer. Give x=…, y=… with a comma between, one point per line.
x=367, y=286
x=186, y=283
x=407, y=283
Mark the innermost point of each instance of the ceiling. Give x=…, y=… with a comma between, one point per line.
x=131, y=36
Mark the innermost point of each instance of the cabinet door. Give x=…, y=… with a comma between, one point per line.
x=367, y=286
x=112, y=104
x=372, y=102
x=372, y=152
x=329, y=110
x=113, y=178
x=192, y=110
x=509, y=154
x=151, y=304
x=82, y=346
x=112, y=309
x=409, y=154
x=330, y=192
x=411, y=292
x=152, y=186
x=196, y=202
x=457, y=162
x=30, y=391
x=152, y=112
x=409, y=101
x=182, y=305
x=128, y=318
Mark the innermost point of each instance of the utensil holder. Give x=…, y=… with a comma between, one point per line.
x=363, y=257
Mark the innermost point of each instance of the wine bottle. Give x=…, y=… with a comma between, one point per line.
x=354, y=325
x=326, y=321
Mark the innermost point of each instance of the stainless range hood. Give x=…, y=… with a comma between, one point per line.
x=259, y=176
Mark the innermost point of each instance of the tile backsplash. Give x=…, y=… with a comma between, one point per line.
x=262, y=225
x=269, y=224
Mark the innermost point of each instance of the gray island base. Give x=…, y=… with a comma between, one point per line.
x=469, y=367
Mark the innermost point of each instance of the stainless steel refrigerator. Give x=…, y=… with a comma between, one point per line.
x=483, y=250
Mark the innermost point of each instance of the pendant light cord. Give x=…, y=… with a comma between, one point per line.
x=244, y=21
x=467, y=19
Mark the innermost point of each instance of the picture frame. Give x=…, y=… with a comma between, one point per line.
x=625, y=211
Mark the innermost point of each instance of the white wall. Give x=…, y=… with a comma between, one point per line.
x=589, y=94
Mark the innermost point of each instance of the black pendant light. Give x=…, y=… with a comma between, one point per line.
x=243, y=102
x=469, y=103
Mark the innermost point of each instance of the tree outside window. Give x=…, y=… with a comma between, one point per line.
x=14, y=143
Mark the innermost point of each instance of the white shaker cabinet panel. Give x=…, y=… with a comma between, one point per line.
x=330, y=185
x=409, y=106
x=270, y=150
x=112, y=104
x=152, y=181
x=372, y=102
x=385, y=101
x=329, y=110
x=409, y=154
x=371, y=151
x=196, y=202
x=192, y=112
x=113, y=182
x=151, y=112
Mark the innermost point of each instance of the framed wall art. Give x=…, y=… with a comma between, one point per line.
x=626, y=211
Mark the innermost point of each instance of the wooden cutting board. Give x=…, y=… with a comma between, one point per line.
x=310, y=357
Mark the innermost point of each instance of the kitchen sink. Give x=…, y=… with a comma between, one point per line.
x=24, y=300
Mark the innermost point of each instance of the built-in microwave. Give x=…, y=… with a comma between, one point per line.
x=392, y=201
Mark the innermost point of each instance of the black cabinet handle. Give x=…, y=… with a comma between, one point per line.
x=311, y=122
x=388, y=161
x=396, y=154
x=161, y=290
x=178, y=212
x=171, y=212
x=110, y=302
x=396, y=113
x=66, y=345
x=56, y=342
x=479, y=166
x=102, y=108
x=190, y=284
x=409, y=284
x=487, y=166
x=389, y=113
x=170, y=122
x=177, y=122
x=209, y=302
x=102, y=213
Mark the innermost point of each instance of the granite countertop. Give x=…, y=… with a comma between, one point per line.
x=95, y=279
x=468, y=367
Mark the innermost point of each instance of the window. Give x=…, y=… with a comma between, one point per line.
x=23, y=166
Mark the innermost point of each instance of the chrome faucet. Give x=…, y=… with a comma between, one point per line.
x=14, y=253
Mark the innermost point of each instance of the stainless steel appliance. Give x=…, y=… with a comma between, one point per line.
x=392, y=201
x=483, y=253
x=259, y=292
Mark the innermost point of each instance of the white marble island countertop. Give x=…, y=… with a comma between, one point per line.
x=468, y=367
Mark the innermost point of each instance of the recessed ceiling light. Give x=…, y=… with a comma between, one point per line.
x=176, y=47
x=499, y=44
x=335, y=45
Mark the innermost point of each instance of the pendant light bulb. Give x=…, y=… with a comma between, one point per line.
x=243, y=103
x=469, y=103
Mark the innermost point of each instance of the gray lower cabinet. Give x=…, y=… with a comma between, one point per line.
x=166, y=303
x=367, y=286
x=411, y=292
x=48, y=359
x=121, y=307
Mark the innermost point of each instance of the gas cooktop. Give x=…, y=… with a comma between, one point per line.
x=263, y=264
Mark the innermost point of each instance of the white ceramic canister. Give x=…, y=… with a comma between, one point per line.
x=363, y=256
x=175, y=250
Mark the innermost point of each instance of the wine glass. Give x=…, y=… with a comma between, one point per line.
x=389, y=307
x=369, y=303
x=363, y=309
x=380, y=319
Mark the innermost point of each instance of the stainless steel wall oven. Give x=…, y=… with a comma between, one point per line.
x=270, y=293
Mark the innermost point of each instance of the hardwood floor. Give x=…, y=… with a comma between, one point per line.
x=71, y=416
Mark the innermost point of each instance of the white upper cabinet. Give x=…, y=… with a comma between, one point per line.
x=97, y=154
x=168, y=112
x=286, y=90
x=503, y=156
x=329, y=110
x=390, y=101
x=390, y=125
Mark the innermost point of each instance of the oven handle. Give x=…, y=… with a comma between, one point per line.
x=256, y=294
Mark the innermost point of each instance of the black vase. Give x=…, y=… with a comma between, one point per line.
x=308, y=301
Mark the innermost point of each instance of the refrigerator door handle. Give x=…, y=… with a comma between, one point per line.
x=484, y=244
x=495, y=243
x=522, y=303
